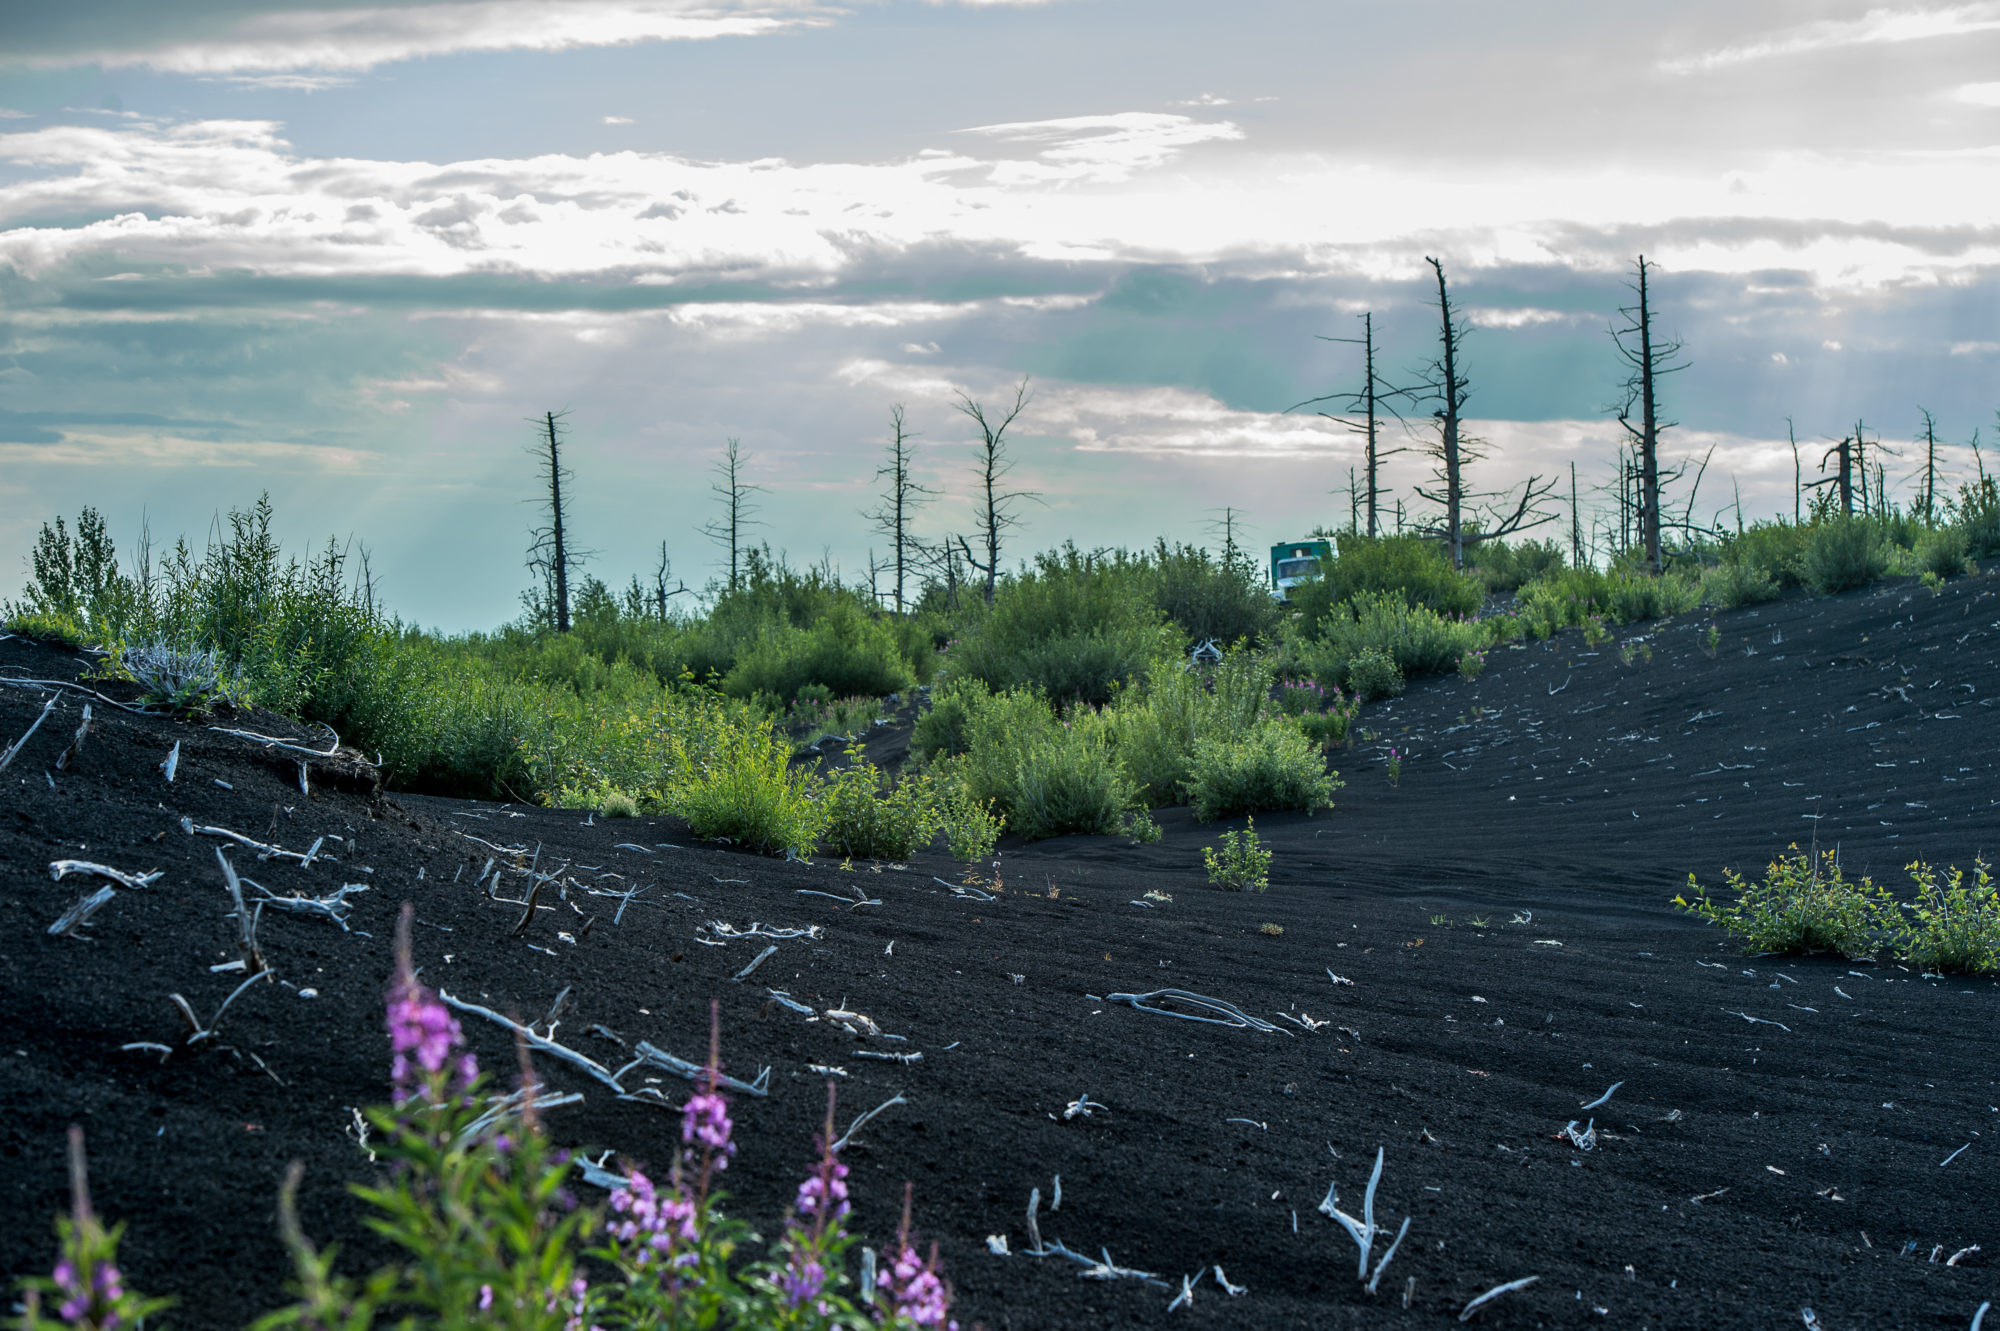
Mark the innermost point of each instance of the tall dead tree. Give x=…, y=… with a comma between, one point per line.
x=1443, y=381
x=996, y=505
x=1649, y=360
x=1360, y=411
x=1927, y=503
x=1798, y=476
x=738, y=508
x=1844, y=477
x=900, y=501
x=552, y=554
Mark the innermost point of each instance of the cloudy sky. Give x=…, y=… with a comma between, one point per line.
x=342, y=252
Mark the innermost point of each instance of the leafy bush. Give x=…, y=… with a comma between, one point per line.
x=1411, y=569
x=1418, y=640
x=1208, y=598
x=1729, y=585
x=736, y=781
x=1243, y=866
x=1942, y=551
x=1156, y=727
x=1373, y=674
x=845, y=651
x=1842, y=554
x=941, y=728
x=1073, y=627
x=1771, y=548
x=970, y=827
x=1634, y=597
x=1950, y=928
x=1471, y=663
x=868, y=818
x=1976, y=512
x=1272, y=765
x=1046, y=776
x=619, y=804
x=1799, y=906
x=76, y=580
x=1501, y=567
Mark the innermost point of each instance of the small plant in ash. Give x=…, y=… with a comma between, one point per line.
x=1395, y=767
x=1802, y=904
x=1140, y=826
x=1271, y=930
x=1243, y=866
x=1636, y=649
x=1951, y=927
x=1711, y=641
x=1934, y=582
x=1594, y=631
x=180, y=679
x=1471, y=663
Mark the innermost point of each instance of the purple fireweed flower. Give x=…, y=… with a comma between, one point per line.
x=804, y=1279
x=663, y=1227
x=705, y=1119
x=916, y=1291
x=423, y=1036
x=827, y=1188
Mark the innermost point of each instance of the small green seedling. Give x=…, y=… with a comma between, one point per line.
x=1243, y=866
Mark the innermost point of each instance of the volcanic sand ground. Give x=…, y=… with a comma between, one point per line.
x=1810, y=1104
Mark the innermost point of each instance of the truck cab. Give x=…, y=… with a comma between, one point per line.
x=1294, y=562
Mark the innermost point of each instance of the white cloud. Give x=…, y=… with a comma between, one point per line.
x=8, y=113
x=1979, y=94
x=1974, y=348
x=1520, y=317
x=1179, y=422
x=617, y=120
x=354, y=39
x=1876, y=27
x=1101, y=148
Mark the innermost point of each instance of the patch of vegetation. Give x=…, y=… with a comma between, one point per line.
x=868, y=817
x=1243, y=865
x=1272, y=765
x=1842, y=554
x=1411, y=569
x=1801, y=905
x=1951, y=927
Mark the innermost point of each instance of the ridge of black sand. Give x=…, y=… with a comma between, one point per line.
x=1816, y=1133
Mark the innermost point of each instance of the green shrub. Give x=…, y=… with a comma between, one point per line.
x=868, y=818
x=76, y=583
x=1471, y=663
x=1373, y=674
x=941, y=728
x=1842, y=554
x=1271, y=765
x=1501, y=567
x=1073, y=627
x=619, y=804
x=1411, y=569
x=1046, y=776
x=1418, y=640
x=1771, y=548
x=1070, y=782
x=970, y=826
x=1157, y=725
x=1636, y=597
x=1728, y=585
x=737, y=782
x=1243, y=865
x=1209, y=598
x=846, y=652
x=1799, y=906
x=1976, y=512
x=1942, y=551
x=1951, y=928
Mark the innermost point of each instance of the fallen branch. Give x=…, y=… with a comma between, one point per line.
x=1494, y=1293
x=1364, y=1231
x=273, y=742
x=755, y=962
x=1228, y=1014
x=1604, y=1098
x=334, y=906
x=58, y=868
x=199, y=1031
x=8, y=754
x=534, y=1041
x=171, y=763
x=651, y=1056
x=76, y=743
x=246, y=923
x=855, y=1126
x=76, y=688
x=78, y=915
x=265, y=850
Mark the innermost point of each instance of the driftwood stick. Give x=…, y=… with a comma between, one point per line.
x=76, y=688
x=246, y=924
x=534, y=1041
x=79, y=914
x=8, y=754
x=59, y=868
x=273, y=742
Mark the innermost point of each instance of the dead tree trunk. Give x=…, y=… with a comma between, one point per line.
x=1798, y=476
x=738, y=509
x=996, y=506
x=901, y=499
x=1363, y=410
x=1651, y=359
x=551, y=552
x=1445, y=383
x=1929, y=500
x=1844, y=450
